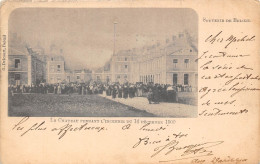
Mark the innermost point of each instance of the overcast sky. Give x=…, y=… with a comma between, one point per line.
x=86, y=35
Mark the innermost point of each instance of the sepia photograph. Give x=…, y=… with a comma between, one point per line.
x=103, y=62
x=129, y=82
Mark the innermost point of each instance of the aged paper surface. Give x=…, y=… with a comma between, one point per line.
x=130, y=82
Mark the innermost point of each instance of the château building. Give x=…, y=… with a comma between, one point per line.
x=25, y=66
x=172, y=62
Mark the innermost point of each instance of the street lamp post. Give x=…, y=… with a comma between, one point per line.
x=114, y=51
x=115, y=23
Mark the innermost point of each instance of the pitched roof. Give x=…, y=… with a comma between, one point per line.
x=18, y=50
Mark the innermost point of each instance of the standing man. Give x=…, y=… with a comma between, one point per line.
x=150, y=96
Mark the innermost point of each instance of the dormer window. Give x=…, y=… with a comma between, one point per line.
x=186, y=63
x=175, y=62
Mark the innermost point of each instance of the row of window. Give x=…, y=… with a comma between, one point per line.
x=156, y=79
x=147, y=78
x=185, y=60
x=154, y=65
x=122, y=59
x=185, y=79
x=122, y=68
x=118, y=76
x=157, y=65
x=17, y=64
x=58, y=79
x=58, y=68
x=175, y=61
x=186, y=63
x=97, y=77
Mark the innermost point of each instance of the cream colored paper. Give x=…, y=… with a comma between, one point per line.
x=219, y=134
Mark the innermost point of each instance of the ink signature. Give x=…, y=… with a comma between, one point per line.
x=186, y=151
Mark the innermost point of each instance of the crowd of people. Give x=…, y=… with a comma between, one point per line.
x=155, y=93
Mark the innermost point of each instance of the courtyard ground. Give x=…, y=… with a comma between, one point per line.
x=163, y=109
x=52, y=105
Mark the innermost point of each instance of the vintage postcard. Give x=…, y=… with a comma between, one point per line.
x=130, y=82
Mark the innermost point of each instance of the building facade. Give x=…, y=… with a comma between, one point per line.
x=55, y=69
x=25, y=67
x=82, y=76
x=172, y=62
x=122, y=65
